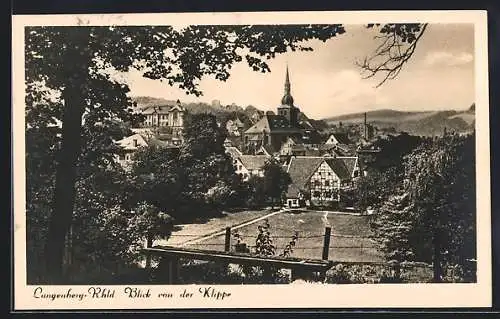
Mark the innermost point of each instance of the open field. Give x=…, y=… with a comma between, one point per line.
x=189, y=232
x=348, y=241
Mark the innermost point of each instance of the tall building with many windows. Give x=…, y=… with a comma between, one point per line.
x=166, y=120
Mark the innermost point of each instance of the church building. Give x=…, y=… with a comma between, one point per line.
x=271, y=131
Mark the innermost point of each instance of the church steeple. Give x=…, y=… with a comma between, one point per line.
x=287, y=97
x=287, y=82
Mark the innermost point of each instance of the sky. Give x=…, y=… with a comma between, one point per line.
x=326, y=82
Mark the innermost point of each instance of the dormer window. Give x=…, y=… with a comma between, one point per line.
x=135, y=142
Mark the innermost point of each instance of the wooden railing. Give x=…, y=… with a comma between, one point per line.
x=170, y=256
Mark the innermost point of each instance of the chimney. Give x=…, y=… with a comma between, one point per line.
x=365, y=128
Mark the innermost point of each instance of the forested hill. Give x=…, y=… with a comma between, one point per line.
x=418, y=123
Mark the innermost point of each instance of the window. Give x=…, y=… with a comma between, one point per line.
x=327, y=183
x=239, y=167
x=294, y=202
x=327, y=194
x=316, y=194
x=127, y=157
x=329, y=173
x=135, y=142
x=356, y=173
x=316, y=183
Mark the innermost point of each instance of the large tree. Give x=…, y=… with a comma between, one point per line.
x=433, y=216
x=275, y=181
x=190, y=182
x=73, y=62
x=385, y=169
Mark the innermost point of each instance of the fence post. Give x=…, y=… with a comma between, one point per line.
x=149, y=244
x=227, y=243
x=326, y=243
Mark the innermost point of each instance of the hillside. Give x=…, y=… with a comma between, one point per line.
x=248, y=114
x=418, y=123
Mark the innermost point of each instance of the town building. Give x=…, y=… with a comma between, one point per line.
x=167, y=121
x=272, y=130
x=127, y=147
x=338, y=138
x=250, y=165
x=318, y=180
x=130, y=145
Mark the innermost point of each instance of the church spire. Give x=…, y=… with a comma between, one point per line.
x=287, y=82
x=287, y=97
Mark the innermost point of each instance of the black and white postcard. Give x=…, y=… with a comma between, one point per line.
x=255, y=160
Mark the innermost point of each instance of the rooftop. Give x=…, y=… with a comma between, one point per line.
x=272, y=123
x=253, y=162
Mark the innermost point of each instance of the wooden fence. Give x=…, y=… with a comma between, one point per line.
x=300, y=268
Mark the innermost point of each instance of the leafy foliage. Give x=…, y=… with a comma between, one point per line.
x=433, y=218
x=287, y=252
x=192, y=182
x=256, y=195
x=264, y=244
x=385, y=170
x=276, y=181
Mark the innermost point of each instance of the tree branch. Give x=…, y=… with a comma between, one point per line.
x=395, y=50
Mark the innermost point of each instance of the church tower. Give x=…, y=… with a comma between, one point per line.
x=287, y=109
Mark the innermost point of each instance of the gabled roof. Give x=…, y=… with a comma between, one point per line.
x=339, y=167
x=349, y=162
x=268, y=150
x=316, y=149
x=301, y=168
x=160, y=109
x=294, y=139
x=272, y=123
x=306, y=125
x=253, y=162
x=142, y=131
x=163, y=109
x=342, y=138
x=234, y=152
x=127, y=143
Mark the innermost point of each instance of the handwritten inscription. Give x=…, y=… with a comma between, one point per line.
x=186, y=294
x=210, y=292
x=95, y=292
x=137, y=293
x=98, y=292
x=39, y=293
x=165, y=295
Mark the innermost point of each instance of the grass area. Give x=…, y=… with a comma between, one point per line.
x=348, y=241
x=187, y=232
